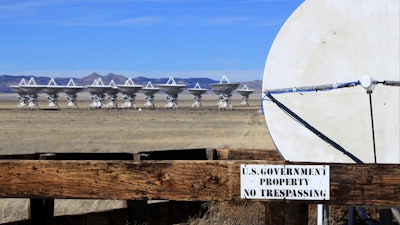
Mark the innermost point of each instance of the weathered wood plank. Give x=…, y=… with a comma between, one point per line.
x=206, y=180
x=181, y=154
x=249, y=154
x=42, y=210
x=173, y=180
x=367, y=184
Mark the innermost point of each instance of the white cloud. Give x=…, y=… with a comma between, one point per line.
x=225, y=20
x=142, y=20
x=72, y=13
x=270, y=22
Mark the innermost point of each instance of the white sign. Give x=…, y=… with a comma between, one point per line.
x=294, y=182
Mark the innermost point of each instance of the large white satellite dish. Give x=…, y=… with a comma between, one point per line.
x=129, y=90
x=172, y=90
x=28, y=93
x=354, y=44
x=52, y=89
x=71, y=90
x=149, y=91
x=197, y=92
x=224, y=91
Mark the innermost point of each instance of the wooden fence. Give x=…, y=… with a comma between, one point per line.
x=177, y=175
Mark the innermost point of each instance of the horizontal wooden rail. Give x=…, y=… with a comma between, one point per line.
x=201, y=180
x=248, y=154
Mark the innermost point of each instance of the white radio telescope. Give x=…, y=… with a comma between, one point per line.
x=129, y=90
x=97, y=93
x=171, y=89
x=52, y=90
x=28, y=93
x=112, y=94
x=331, y=83
x=23, y=100
x=197, y=92
x=245, y=93
x=224, y=91
x=149, y=91
x=71, y=90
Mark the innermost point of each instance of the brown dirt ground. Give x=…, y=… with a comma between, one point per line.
x=117, y=130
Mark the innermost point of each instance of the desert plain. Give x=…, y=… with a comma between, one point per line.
x=26, y=131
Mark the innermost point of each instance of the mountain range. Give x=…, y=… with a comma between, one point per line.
x=7, y=80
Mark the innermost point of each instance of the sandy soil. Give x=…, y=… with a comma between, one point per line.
x=117, y=130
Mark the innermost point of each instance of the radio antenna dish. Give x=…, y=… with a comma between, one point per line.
x=149, y=91
x=97, y=93
x=171, y=89
x=313, y=118
x=245, y=93
x=71, y=90
x=52, y=90
x=28, y=93
x=129, y=90
x=197, y=92
x=224, y=91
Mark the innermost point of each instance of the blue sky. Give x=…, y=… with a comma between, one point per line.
x=152, y=38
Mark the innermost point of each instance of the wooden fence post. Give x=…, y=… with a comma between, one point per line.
x=385, y=217
x=138, y=210
x=42, y=210
x=211, y=154
x=283, y=213
x=274, y=213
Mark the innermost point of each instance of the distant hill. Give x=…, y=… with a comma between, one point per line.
x=7, y=80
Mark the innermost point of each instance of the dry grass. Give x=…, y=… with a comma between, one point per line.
x=231, y=213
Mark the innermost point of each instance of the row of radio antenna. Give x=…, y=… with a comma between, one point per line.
x=28, y=93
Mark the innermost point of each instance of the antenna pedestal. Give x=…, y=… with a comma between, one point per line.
x=32, y=100
x=71, y=100
x=112, y=98
x=97, y=101
x=245, y=100
x=22, y=101
x=129, y=101
x=52, y=100
x=149, y=101
x=172, y=101
x=224, y=101
x=197, y=101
